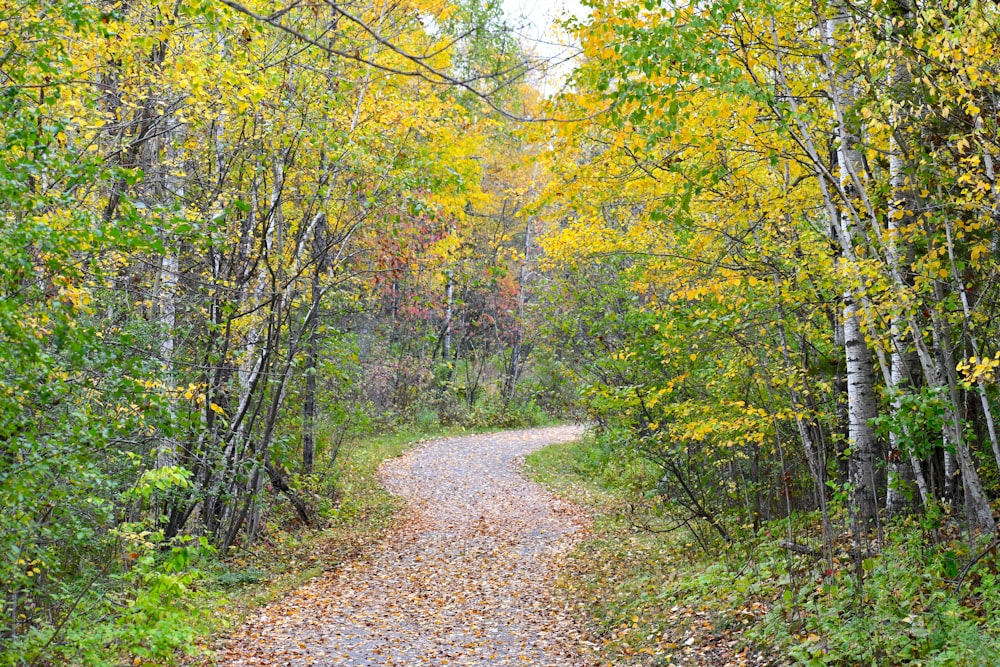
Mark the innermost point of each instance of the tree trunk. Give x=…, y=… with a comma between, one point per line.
x=449, y=292
x=514, y=367
x=309, y=402
x=862, y=408
x=977, y=506
x=312, y=351
x=903, y=466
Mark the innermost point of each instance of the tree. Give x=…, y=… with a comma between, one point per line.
x=194, y=195
x=737, y=140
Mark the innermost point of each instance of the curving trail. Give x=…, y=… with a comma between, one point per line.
x=465, y=579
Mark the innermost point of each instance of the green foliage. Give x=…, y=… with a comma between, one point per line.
x=649, y=593
x=250, y=576
x=75, y=406
x=917, y=419
x=903, y=609
x=145, y=606
x=551, y=384
x=159, y=618
x=490, y=412
x=160, y=480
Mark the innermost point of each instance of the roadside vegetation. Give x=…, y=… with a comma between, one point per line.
x=180, y=599
x=657, y=592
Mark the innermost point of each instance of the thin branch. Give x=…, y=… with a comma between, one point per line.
x=422, y=69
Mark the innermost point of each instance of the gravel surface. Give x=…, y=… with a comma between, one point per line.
x=464, y=580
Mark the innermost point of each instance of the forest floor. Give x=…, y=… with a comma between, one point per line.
x=649, y=598
x=464, y=579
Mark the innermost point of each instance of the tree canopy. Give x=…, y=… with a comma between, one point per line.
x=755, y=243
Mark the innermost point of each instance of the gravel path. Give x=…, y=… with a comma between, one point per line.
x=465, y=579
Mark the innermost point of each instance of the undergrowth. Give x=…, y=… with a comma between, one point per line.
x=664, y=598
x=165, y=603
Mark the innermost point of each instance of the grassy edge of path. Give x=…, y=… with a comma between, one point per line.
x=648, y=599
x=661, y=598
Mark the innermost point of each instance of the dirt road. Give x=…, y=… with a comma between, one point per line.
x=466, y=579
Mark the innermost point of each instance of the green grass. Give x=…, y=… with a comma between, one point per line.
x=644, y=595
x=569, y=469
x=662, y=598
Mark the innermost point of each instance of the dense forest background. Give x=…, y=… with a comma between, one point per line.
x=755, y=244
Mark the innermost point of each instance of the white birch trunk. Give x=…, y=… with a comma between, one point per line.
x=168, y=191
x=862, y=404
x=861, y=410
x=448, y=295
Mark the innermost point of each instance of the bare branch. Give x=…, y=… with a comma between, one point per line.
x=421, y=70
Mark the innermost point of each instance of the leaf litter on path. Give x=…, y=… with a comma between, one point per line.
x=465, y=579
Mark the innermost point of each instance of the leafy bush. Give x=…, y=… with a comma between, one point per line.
x=149, y=610
x=901, y=608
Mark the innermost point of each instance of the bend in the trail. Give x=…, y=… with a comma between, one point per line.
x=466, y=579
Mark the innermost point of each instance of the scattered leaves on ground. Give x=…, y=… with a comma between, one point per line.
x=466, y=578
